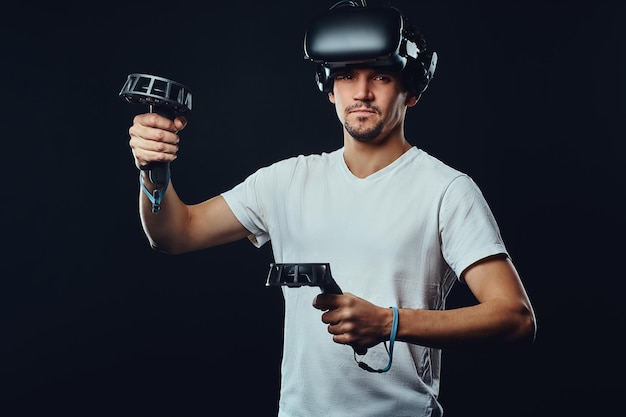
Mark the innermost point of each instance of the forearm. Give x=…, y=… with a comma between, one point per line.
x=164, y=229
x=496, y=322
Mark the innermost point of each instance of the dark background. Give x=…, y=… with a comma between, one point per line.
x=528, y=99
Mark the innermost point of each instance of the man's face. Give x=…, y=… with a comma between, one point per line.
x=369, y=103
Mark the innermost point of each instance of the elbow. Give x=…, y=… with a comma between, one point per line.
x=526, y=332
x=531, y=328
x=155, y=247
x=164, y=249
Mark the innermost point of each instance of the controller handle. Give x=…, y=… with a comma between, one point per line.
x=158, y=171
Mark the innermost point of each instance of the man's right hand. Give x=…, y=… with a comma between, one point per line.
x=154, y=138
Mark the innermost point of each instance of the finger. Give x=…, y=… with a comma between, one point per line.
x=339, y=335
x=342, y=338
x=146, y=157
x=153, y=139
x=156, y=121
x=141, y=145
x=326, y=301
x=347, y=339
x=329, y=317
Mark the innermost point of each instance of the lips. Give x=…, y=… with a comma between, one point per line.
x=363, y=111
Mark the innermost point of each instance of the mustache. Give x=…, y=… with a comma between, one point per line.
x=358, y=106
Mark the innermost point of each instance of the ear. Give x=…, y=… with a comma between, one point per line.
x=411, y=100
x=331, y=97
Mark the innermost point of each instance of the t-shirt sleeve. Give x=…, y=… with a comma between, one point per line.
x=244, y=201
x=468, y=229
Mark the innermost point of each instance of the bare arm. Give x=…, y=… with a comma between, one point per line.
x=503, y=315
x=177, y=227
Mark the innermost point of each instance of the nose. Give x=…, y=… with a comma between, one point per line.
x=363, y=91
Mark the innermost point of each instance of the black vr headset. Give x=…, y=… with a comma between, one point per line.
x=360, y=35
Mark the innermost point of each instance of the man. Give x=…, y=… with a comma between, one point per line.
x=398, y=228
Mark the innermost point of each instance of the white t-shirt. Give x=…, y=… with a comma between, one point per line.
x=399, y=237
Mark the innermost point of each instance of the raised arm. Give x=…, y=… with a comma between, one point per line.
x=176, y=227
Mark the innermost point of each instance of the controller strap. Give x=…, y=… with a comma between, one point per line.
x=157, y=195
x=392, y=339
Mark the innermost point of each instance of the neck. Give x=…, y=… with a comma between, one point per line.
x=364, y=159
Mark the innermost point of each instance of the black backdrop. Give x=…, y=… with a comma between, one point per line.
x=528, y=99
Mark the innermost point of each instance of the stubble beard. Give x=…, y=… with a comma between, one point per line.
x=359, y=129
x=364, y=133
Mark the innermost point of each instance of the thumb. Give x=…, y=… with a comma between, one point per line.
x=179, y=123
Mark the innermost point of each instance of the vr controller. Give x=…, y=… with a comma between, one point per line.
x=372, y=36
x=166, y=98
x=295, y=275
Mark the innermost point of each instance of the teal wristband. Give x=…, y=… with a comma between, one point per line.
x=392, y=337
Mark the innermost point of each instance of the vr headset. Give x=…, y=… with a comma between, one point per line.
x=346, y=37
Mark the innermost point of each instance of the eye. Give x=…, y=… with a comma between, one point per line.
x=382, y=77
x=344, y=76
